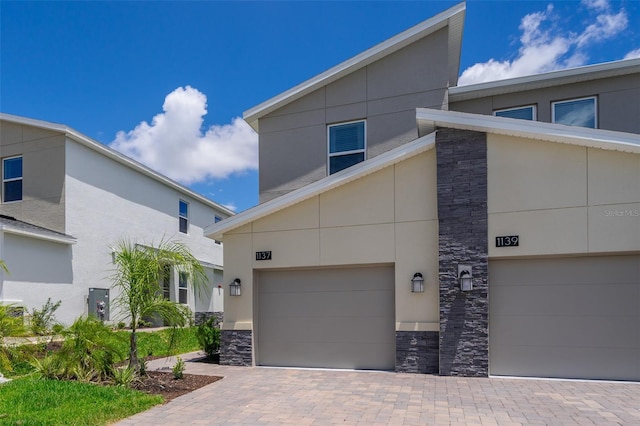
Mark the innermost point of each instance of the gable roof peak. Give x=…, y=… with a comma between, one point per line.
x=452, y=17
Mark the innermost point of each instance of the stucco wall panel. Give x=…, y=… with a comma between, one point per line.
x=528, y=175
x=415, y=188
x=405, y=70
x=312, y=101
x=303, y=215
x=10, y=133
x=614, y=227
x=621, y=110
x=238, y=255
x=428, y=99
x=366, y=201
x=541, y=232
x=349, y=89
x=614, y=177
x=417, y=251
x=388, y=131
x=289, y=248
x=349, y=112
x=357, y=245
x=293, y=120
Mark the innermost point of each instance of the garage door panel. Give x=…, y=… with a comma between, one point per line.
x=573, y=317
x=329, y=318
x=580, y=332
x=578, y=270
x=317, y=303
x=563, y=362
x=364, y=330
x=609, y=299
x=310, y=354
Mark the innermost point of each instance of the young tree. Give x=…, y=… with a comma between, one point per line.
x=139, y=270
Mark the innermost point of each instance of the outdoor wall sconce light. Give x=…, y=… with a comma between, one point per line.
x=465, y=277
x=417, y=283
x=234, y=287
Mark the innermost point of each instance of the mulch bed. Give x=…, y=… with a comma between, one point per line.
x=162, y=383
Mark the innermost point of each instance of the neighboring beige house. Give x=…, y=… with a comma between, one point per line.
x=419, y=227
x=67, y=200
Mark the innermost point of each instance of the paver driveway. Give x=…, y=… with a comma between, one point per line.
x=258, y=396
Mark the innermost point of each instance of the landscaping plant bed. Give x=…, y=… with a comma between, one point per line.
x=163, y=383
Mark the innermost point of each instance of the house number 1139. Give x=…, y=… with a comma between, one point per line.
x=508, y=241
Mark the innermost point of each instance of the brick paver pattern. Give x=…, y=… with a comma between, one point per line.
x=275, y=396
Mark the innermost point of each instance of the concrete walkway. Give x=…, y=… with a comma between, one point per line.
x=274, y=396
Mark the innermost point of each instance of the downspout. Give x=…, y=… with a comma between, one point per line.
x=1, y=258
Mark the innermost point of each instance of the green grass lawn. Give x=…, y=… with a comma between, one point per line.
x=30, y=401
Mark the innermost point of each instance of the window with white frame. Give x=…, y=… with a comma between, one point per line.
x=347, y=145
x=523, y=113
x=11, y=179
x=183, y=217
x=576, y=112
x=183, y=288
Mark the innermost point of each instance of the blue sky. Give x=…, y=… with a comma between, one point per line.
x=165, y=82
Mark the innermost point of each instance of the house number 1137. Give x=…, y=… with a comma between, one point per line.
x=263, y=255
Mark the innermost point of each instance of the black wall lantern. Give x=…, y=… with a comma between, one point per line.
x=234, y=287
x=417, y=283
x=465, y=277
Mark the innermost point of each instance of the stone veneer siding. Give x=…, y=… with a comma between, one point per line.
x=201, y=317
x=462, y=216
x=417, y=352
x=235, y=348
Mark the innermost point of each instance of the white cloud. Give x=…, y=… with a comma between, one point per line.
x=544, y=46
x=633, y=54
x=174, y=144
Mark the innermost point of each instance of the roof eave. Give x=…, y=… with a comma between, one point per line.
x=549, y=79
x=114, y=155
x=428, y=119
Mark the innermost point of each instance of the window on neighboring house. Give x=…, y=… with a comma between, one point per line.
x=183, y=217
x=347, y=145
x=11, y=179
x=522, y=113
x=218, y=219
x=575, y=112
x=182, y=288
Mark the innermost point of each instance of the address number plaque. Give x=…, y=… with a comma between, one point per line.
x=508, y=241
x=263, y=255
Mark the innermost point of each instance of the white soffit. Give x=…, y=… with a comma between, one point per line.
x=539, y=81
x=454, y=17
x=114, y=155
x=428, y=119
x=328, y=183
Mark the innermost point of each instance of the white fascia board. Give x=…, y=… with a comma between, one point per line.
x=574, y=135
x=45, y=237
x=363, y=59
x=396, y=155
x=549, y=79
x=114, y=155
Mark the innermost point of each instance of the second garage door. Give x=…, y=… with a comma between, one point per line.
x=567, y=317
x=326, y=318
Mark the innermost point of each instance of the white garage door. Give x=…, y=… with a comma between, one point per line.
x=327, y=318
x=569, y=317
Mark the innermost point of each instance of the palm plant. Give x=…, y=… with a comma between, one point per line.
x=138, y=272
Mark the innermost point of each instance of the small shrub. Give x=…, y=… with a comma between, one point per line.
x=124, y=376
x=143, y=367
x=50, y=367
x=42, y=319
x=121, y=325
x=178, y=369
x=209, y=337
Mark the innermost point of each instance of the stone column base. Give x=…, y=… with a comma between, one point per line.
x=417, y=352
x=235, y=348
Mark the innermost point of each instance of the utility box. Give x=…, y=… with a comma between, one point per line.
x=99, y=303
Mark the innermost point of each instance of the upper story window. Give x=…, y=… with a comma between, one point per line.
x=11, y=179
x=575, y=112
x=183, y=217
x=523, y=113
x=347, y=145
